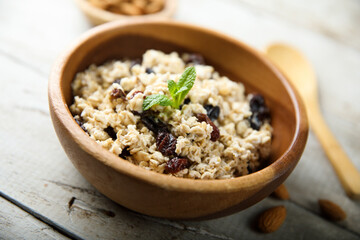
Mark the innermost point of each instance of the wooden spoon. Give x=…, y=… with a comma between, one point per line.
x=299, y=71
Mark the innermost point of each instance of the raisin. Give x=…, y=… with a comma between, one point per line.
x=149, y=70
x=117, y=93
x=135, y=62
x=196, y=59
x=166, y=143
x=111, y=132
x=125, y=153
x=212, y=111
x=153, y=124
x=136, y=92
x=176, y=164
x=260, y=112
x=81, y=124
x=215, y=134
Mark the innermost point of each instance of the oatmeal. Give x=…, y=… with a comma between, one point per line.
x=213, y=131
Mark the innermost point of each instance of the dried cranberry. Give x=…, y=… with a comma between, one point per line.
x=149, y=70
x=215, y=134
x=111, y=132
x=166, y=143
x=212, y=111
x=117, y=93
x=136, y=92
x=260, y=112
x=176, y=164
x=196, y=59
x=125, y=153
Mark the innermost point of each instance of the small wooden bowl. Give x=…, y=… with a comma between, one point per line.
x=159, y=194
x=99, y=16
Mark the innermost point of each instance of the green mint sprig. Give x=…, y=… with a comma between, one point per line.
x=178, y=91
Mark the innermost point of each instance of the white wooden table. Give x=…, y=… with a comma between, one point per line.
x=42, y=196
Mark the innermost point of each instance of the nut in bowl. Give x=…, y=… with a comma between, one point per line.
x=154, y=193
x=102, y=11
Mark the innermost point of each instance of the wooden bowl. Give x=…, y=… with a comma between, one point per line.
x=157, y=194
x=99, y=16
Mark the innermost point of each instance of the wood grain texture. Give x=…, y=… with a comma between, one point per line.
x=35, y=170
x=17, y=224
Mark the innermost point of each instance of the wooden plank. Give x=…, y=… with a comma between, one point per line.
x=18, y=224
x=35, y=171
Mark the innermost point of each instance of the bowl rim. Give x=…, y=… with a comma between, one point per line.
x=276, y=169
x=107, y=16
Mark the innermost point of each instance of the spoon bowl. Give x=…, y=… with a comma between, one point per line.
x=299, y=71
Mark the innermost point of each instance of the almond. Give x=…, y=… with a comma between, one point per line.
x=331, y=210
x=281, y=193
x=271, y=219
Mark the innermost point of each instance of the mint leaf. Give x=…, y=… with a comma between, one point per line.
x=178, y=91
x=185, y=83
x=172, y=86
x=157, y=99
x=186, y=80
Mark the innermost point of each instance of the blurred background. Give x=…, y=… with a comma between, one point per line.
x=37, y=181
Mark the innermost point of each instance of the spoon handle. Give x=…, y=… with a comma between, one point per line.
x=348, y=174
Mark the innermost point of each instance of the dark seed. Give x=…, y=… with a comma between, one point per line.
x=117, y=93
x=176, y=164
x=135, y=62
x=149, y=70
x=212, y=111
x=215, y=134
x=166, y=143
x=196, y=59
x=136, y=92
x=109, y=130
x=125, y=153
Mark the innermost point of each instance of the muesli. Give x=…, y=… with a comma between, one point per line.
x=173, y=114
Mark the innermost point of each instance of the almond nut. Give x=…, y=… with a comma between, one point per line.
x=271, y=219
x=281, y=193
x=331, y=210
